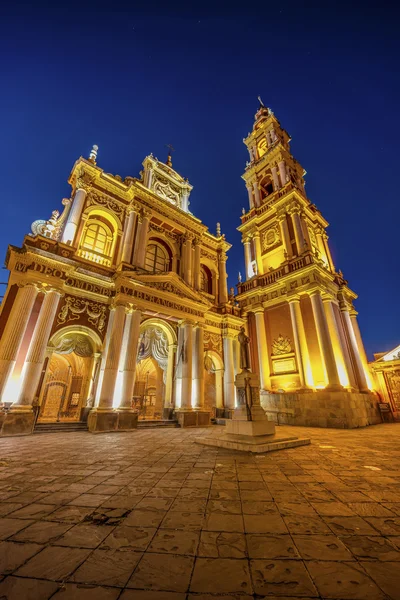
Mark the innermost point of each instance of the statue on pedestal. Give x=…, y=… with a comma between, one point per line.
x=244, y=341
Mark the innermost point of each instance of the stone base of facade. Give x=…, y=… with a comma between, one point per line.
x=18, y=423
x=340, y=410
x=193, y=418
x=101, y=421
x=256, y=444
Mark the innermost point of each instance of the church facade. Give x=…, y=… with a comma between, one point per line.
x=119, y=305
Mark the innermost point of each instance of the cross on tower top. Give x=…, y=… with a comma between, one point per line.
x=170, y=150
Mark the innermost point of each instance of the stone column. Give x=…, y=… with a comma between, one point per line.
x=300, y=343
x=93, y=378
x=187, y=265
x=219, y=400
x=251, y=198
x=257, y=198
x=324, y=341
x=174, y=267
x=328, y=252
x=358, y=367
x=37, y=351
x=128, y=359
x=197, y=278
x=112, y=360
x=198, y=368
x=187, y=360
x=223, y=283
x=258, y=253
x=336, y=342
x=149, y=178
x=74, y=216
x=283, y=226
x=298, y=231
x=104, y=355
x=168, y=401
x=282, y=172
x=321, y=246
x=14, y=332
x=127, y=240
x=247, y=258
x=229, y=373
x=178, y=366
x=306, y=233
x=263, y=357
x=185, y=200
x=360, y=346
x=141, y=240
x=275, y=178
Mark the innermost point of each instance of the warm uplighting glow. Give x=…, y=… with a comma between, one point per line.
x=118, y=390
x=12, y=389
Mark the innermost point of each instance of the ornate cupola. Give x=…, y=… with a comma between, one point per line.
x=164, y=181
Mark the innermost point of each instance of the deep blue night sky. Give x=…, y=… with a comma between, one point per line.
x=132, y=82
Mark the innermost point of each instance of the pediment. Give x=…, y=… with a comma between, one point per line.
x=392, y=355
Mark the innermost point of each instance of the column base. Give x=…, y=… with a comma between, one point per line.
x=127, y=419
x=18, y=421
x=167, y=414
x=335, y=387
x=102, y=421
x=193, y=418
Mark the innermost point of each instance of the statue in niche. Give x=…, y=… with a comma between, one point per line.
x=244, y=341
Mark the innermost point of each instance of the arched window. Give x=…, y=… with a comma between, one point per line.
x=97, y=242
x=267, y=187
x=157, y=259
x=205, y=279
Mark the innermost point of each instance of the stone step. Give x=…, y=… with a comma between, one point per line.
x=60, y=427
x=150, y=423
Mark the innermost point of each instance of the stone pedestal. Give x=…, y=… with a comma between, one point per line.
x=18, y=423
x=103, y=421
x=249, y=430
x=127, y=420
x=193, y=418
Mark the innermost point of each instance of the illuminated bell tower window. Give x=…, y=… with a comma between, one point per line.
x=205, y=280
x=96, y=242
x=157, y=259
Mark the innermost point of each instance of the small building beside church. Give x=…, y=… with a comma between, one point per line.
x=119, y=305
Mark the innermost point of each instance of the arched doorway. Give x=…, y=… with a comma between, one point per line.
x=69, y=376
x=213, y=383
x=154, y=370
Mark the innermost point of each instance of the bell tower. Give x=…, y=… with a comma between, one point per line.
x=299, y=308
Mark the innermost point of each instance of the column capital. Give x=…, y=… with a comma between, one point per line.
x=258, y=310
x=314, y=293
x=293, y=299
x=146, y=213
x=185, y=322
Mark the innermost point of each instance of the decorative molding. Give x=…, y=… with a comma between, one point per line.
x=281, y=345
x=95, y=198
x=73, y=308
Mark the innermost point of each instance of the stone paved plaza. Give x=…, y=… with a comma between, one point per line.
x=152, y=515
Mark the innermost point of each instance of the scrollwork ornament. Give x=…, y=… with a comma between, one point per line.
x=73, y=308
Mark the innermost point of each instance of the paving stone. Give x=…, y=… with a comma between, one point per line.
x=54, y=562
x=17, y=588
x=85, y=536
x=125, y=537
x=148, y=595
x=372, y=547
x=107, y=567
x=321, y=547
x=221, y=575
x=168, y=572
x=175, y=542
x=14, y=555
x=281, y=577
x=143, y=518
x=223, y=522
x=10, y=526
x=350, y=526
x=332, y=509
x=271, y=546
x=42, y=532
x=33, y=511
x=385, y=525
x=296, y=508
x=371, y=509
x=78, y=591
x=222, y=545
x=187, y=521
x=386, y=576
x=305, y=525
x=350, y=581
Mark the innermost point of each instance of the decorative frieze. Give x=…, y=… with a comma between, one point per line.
x=73, y=308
